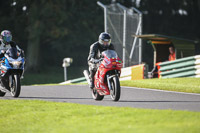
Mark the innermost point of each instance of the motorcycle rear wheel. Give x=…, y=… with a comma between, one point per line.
x=16, y=87
x=116, y=89
x=96, y=95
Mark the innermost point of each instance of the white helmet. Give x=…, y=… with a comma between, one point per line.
x=6, y=36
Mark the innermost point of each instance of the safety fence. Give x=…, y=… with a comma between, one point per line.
x=185, y=67
x=78, y=80
x=128, y=73
x=122, y=23
x=134, y=72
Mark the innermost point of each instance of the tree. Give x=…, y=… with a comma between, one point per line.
x=45, y=25
x=61, y=28
x=14, y=18
x=51, y=30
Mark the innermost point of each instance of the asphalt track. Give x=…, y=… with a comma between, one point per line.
x=130, y=97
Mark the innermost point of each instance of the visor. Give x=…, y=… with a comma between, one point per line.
x=7, y=38
x=108, y=41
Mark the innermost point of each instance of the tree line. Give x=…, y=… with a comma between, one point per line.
x=50, y=30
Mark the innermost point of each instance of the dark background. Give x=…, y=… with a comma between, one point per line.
x=50, y=30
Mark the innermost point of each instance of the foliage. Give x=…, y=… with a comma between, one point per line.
x=51, y=30
x=52, y=75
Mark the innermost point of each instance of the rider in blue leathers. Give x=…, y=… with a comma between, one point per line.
x=6, y=42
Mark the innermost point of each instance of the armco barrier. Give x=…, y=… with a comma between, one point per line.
x=134, y=72
x=128, y=73
x=185, y=67
x=139, y=72
x=78, y=80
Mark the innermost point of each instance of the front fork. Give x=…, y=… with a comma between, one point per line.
x=108, y=81
x=109, y=77
x=10, y=81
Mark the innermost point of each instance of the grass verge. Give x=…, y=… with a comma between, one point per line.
x=191, y=85
x=51, y=75
x=53, y=117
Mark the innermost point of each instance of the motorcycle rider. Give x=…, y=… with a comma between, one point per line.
x=6, y=42
x=94, y=57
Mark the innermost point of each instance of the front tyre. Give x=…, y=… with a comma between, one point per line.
x=96, y=95
x=16, y=86
x=116, y=89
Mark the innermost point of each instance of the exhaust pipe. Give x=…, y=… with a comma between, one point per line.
x=86, y=74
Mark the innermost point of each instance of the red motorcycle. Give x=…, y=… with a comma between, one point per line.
x=106, y=79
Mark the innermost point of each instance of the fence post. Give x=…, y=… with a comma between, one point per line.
x=65, y=73
x=105, y=15
x=66, y=63
x=124, y=40
x=105, y=20
x=138, y=32
x=140, y=40
x=124, y=33
x=134, y=42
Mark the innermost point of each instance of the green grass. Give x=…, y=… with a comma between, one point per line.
x=191, y=85
x=52, y=117
x=51, y=75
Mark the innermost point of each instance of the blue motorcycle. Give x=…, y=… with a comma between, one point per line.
x=11, y=71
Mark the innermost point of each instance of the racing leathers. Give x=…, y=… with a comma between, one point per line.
x=4, y=47
x=94, y=57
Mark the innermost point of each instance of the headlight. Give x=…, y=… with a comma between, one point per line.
x=16, y=63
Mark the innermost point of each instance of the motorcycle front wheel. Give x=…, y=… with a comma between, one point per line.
x=116, y=89
x=96, y=95
x=15, y=88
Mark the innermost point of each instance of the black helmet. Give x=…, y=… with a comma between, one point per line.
x=104, y=39
x=6, y=36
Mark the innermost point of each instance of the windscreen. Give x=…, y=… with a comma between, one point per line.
x=12, y=52
x=110, y=54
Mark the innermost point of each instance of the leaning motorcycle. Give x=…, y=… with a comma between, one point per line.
x=11, y=70
x=106, y=79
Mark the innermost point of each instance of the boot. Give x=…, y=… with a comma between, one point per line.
x=91, y=80
x=91, y=84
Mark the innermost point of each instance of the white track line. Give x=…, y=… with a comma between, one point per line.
x=161, y=90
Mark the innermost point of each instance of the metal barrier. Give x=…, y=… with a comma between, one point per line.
x=78, y=80
x=185, y=67
x=134, y=72
x=128, y=73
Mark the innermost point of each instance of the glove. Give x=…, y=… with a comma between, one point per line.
x=3, y=51
x=95, y=61
x=100, y=59
x=22, y=53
